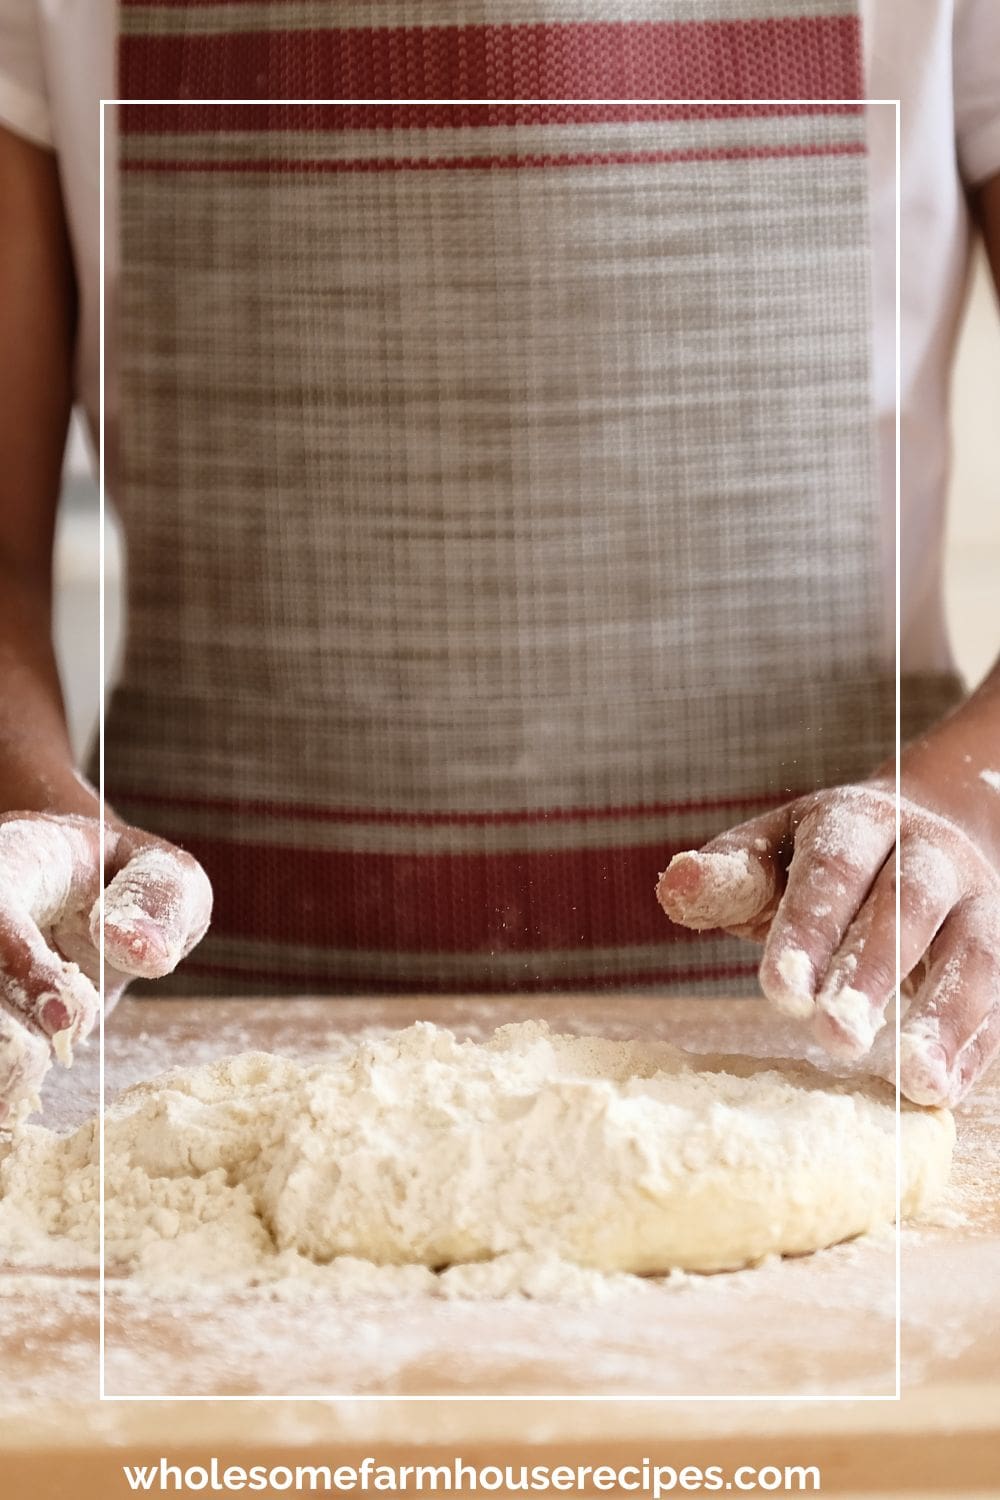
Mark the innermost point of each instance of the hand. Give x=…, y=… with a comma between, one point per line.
x=157, y=906
x=815, y=881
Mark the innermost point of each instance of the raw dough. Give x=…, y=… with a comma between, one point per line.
x=418, y=1149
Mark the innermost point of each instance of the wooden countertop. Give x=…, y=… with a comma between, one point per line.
x=818, y=1327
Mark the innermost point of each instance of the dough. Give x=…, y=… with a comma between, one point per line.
x=418, y=1149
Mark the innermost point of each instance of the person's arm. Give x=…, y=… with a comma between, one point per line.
x=986, y=207
x=815, y=881
x=159, y=899
x=37, y=316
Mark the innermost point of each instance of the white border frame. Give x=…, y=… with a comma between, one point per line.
x=896, y=1396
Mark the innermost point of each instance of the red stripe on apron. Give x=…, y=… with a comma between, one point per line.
x=199, y=118
x=527, y=901
x=793, y=58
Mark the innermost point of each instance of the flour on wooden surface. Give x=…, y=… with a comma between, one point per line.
x=508, y=1161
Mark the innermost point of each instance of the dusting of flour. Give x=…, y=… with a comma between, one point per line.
x=532, y=1164
x=715, y=886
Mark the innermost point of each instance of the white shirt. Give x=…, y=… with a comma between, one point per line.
x=941, y=58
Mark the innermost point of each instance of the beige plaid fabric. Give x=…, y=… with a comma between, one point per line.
x=500, y=516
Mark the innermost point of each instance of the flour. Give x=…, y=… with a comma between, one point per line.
x=40, y=863
x=857, y=1021
x=538, y=1276
x=844, y=849
x=853, y=1011
x=923, y=1062
x=795, y=997
x=155, y=880
x=931, y=878
x=24, y=1058
x=854, y=827
x=38, y=860
x=155, y=909
x=62, y=1047
x=518, y=1164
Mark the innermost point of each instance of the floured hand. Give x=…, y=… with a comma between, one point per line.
x=157, y=906
x=815, y=882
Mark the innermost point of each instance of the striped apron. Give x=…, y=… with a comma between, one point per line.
x=497, y=479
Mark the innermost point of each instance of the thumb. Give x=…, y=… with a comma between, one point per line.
x=156, y=908
x=733, y=882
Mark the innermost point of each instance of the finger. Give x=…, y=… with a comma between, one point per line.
x=982, y=1049
x=24, y=1060
x=156, y=908
x=862, y=979
x=840, y=847
x=732, y=882
x=949, y=1033
x=73, y=941
x=71, y=938
x=52, y=996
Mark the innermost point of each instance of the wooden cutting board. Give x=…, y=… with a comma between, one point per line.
x=821, y=1328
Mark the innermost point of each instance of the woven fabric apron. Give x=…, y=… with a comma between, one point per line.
x=497, y=480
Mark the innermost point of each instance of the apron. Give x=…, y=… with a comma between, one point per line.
x=497, y=479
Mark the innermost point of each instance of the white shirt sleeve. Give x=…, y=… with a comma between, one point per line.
x=977, y=88
x=24, y=105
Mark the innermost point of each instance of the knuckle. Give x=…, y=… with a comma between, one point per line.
x=929, y=875
x=800, y=928
x=978, y=956
x=847, y=831
x=876, y=973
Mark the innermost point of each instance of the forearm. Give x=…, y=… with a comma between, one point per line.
x=954, y=768
x=36, y=759
x=985, y=702
x=957, y=761
x=37, y=329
